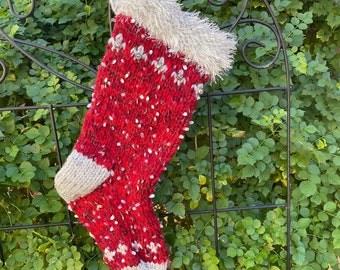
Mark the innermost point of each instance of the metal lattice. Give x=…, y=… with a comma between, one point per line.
x=209, y=98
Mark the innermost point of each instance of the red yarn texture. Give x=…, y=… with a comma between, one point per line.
x=143, y=100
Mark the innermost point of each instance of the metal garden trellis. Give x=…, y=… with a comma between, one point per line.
x=274, y=28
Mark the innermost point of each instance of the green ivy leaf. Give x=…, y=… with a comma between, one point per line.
x=308, y=188
x=336, y=161
x=177, y=209
x=330, y=207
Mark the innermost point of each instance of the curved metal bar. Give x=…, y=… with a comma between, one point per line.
x=231, y=26
x=62, y=54
x=239, y=21
x=258, y=43
x=4, y=70
x=30, y=12
x=249, y=42
x=214, y=3
x=35, y=60
x=275, y=29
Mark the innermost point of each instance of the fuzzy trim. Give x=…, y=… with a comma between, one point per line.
x=198, y=39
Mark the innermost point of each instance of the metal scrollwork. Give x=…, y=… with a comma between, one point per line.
x=259, y=43
x=30, y=12
x=249, y=43
x=266, y=61
x=4, y=70
x=16, y=42
x=215, y=3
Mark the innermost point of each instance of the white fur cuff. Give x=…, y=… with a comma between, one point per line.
x=199, y=40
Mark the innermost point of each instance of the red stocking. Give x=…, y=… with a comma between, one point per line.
x=145, y=93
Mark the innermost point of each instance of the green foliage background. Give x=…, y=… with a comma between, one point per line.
x=249, y=146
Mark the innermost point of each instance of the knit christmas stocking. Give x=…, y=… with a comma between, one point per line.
x=148, y=83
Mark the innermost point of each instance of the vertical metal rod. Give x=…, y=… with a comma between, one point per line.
x=288, y=141
x=55, y=134
x=213, y=189
x=288, y=181
x=111, y=17
x=288, y=92
x=2, y=257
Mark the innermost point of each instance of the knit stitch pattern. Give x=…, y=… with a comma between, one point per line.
x=144, y=97
x=150, y=78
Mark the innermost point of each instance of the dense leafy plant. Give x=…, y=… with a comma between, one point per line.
x=249, y=143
